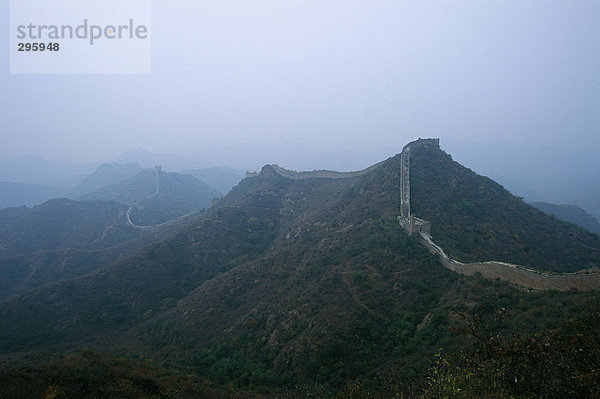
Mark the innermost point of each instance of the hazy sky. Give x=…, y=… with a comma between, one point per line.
x=355, y=75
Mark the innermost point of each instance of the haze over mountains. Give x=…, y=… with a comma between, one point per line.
x=157, y=197
x=296, y=280
x=537, y=173
x=140, y=259
x=107, y=174
x=570, y=213
x=540, y=173
x=64, y=238
x=20, y=179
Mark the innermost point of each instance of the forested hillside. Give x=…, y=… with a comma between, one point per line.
x=309, y=287
x=473, y=218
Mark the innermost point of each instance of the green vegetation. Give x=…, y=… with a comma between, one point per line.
x=559, y=363
x=309, y=288
x=475, y=219
x=107, y=174
x=179, y=194
x=570, y=213
x=62, y=224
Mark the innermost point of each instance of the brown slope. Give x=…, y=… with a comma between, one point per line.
x=321, y=303
x=123, y=294
x=475, y=219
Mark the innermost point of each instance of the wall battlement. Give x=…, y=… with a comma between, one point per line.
x=516, y=274
x=585, y=280
x=317, y=174
x=433, y=142
x=405, y=177
x=412, y=225
x=405, y=183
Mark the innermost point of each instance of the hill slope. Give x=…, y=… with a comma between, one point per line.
x=570, y=213
x=277, y=255
x=60, y=239
x=473, y=219
x=19, y=194
x=61, y=224
x=107, y=174
x=158, y=196
x=307, y=280
x=222, y=179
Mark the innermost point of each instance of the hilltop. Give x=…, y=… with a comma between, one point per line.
x=221, y=179
x=157, y=197
x=474, y=218
x=307, y=278
x=22, y=194
x=107, y=174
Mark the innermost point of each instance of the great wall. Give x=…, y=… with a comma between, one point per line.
x=515, y=274
x=315, y=174
x=584, y=280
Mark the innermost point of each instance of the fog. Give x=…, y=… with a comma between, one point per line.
x=346, y=83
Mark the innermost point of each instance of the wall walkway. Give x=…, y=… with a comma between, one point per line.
x=585, y=280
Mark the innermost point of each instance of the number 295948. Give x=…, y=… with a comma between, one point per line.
x=38, y=46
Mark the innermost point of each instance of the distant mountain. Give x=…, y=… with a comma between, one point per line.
x=516, y=187
x=222, y=179
x=308, y=280
x=157, y=196
x=148, y=159
x=474, y=218
x=537, y=173
x=32, y=169
x=19, y=194
x=570, y=213
x=107, y=174
x=63, y=239
x=62, y=224
x=252, y=156
x=585, y=192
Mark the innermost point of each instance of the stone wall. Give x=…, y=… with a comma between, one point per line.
x=405, y=172
x=320, y=174
x=157, y=172
x=405, y=182
x=584, y=280
x=414, y=225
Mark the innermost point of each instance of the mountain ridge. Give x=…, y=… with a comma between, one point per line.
x=570, y=213
x=300, y=280
x=157, y=197
x=474, y=219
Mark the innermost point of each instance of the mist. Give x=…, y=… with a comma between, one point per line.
x=355, y=80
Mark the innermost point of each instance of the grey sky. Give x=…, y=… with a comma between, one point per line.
x=354, y=75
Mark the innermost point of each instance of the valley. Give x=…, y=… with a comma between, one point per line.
x=304, y=283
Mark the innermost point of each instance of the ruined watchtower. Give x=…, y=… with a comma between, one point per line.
x=157, y=172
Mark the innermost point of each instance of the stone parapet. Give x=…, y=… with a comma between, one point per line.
x=519, y=275
x=586, y=280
